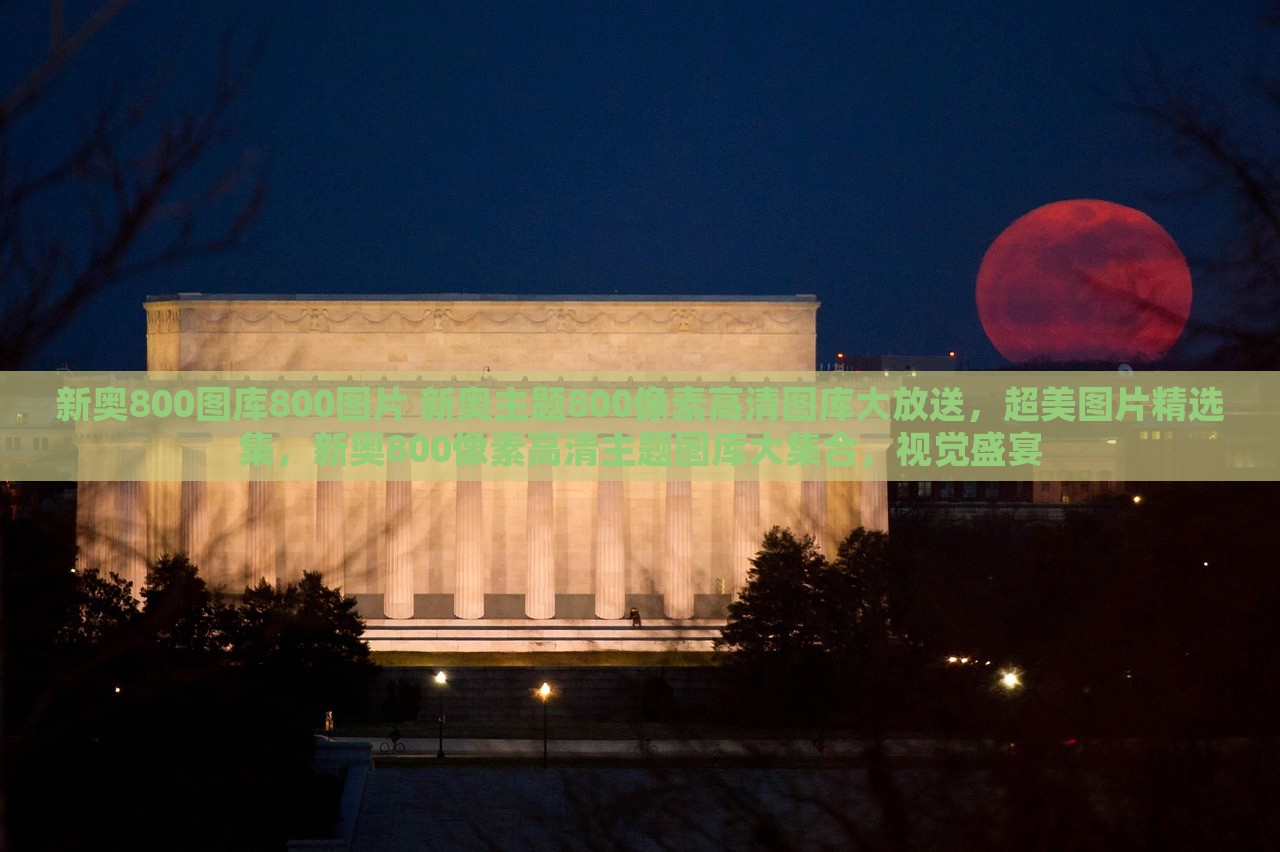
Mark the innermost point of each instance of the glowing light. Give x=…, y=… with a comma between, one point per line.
x=951, y=354
x=544, y=691
x=953, y=659
x=839, y=354
x=964, y=659
x=441, y=678
x=1010, y=680
x=117, y=690
x=1111, y=440
x=1137, y=498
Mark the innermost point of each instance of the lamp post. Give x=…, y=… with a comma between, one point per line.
x=544, y=692
x=441, y=683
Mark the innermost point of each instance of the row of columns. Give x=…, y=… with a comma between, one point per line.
x=540, y=593
x=122, y=539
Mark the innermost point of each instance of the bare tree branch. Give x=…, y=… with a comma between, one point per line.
x=133, y=186
x=28, y=92
x=1229, y=156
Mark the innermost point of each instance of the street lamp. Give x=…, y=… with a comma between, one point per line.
x=1010, y=680
x=544, y=692
x=441, y=682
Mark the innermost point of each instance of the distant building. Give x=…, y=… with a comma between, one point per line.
x=1096, y=467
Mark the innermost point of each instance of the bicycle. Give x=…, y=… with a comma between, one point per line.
x=388, y=746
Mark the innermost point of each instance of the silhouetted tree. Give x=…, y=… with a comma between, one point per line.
x=304, y=638
x=818, y=632
x=1232, y=153
x=187, y=718
x=102, y=607
x=135, y=191
x=138, y=189
x=306, y=624
x=777, y=620
x=179, y=611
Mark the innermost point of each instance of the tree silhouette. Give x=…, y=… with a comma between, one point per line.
x=1232, y=153
x=303, y=637
x=179, y=611
x=102, y=608
x=139, y=189
x=811, y=634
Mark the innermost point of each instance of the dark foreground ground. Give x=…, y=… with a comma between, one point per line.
x=622, y=808
x=1118, y=795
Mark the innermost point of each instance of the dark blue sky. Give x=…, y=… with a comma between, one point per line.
x=867, y=155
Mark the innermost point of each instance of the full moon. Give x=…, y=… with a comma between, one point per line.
x=1083, y=280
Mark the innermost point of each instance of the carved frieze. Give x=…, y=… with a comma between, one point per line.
x=162, y=320
x=532, y=317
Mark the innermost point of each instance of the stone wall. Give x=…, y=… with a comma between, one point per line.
x=471, y=334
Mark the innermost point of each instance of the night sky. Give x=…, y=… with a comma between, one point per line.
x=866, y=155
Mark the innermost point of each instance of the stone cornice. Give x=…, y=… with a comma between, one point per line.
x=380, y=317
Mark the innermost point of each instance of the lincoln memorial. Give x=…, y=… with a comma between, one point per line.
x=472, y=564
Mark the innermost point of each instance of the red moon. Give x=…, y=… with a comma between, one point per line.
x=1084, y=280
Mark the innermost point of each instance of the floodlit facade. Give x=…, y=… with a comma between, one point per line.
x=481, y=565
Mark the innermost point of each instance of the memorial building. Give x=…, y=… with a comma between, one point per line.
x=537, y=565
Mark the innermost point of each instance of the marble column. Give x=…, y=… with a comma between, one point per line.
x=874, y=492
x=128, y=541
x=813, y=511
x=163, y=497
x=540, y=544
x=610, y=567
x=468, y=595
x=87, y=511
x=677, y=591
x=397, y=600
x=194, y=500
x=746, y=530
x=330, y=543
x=228, y=514
x=295, y=550
x=260, y=546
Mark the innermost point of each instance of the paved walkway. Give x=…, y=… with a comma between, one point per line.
x=626, y=809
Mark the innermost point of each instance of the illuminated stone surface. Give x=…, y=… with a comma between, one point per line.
x=477, y=565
